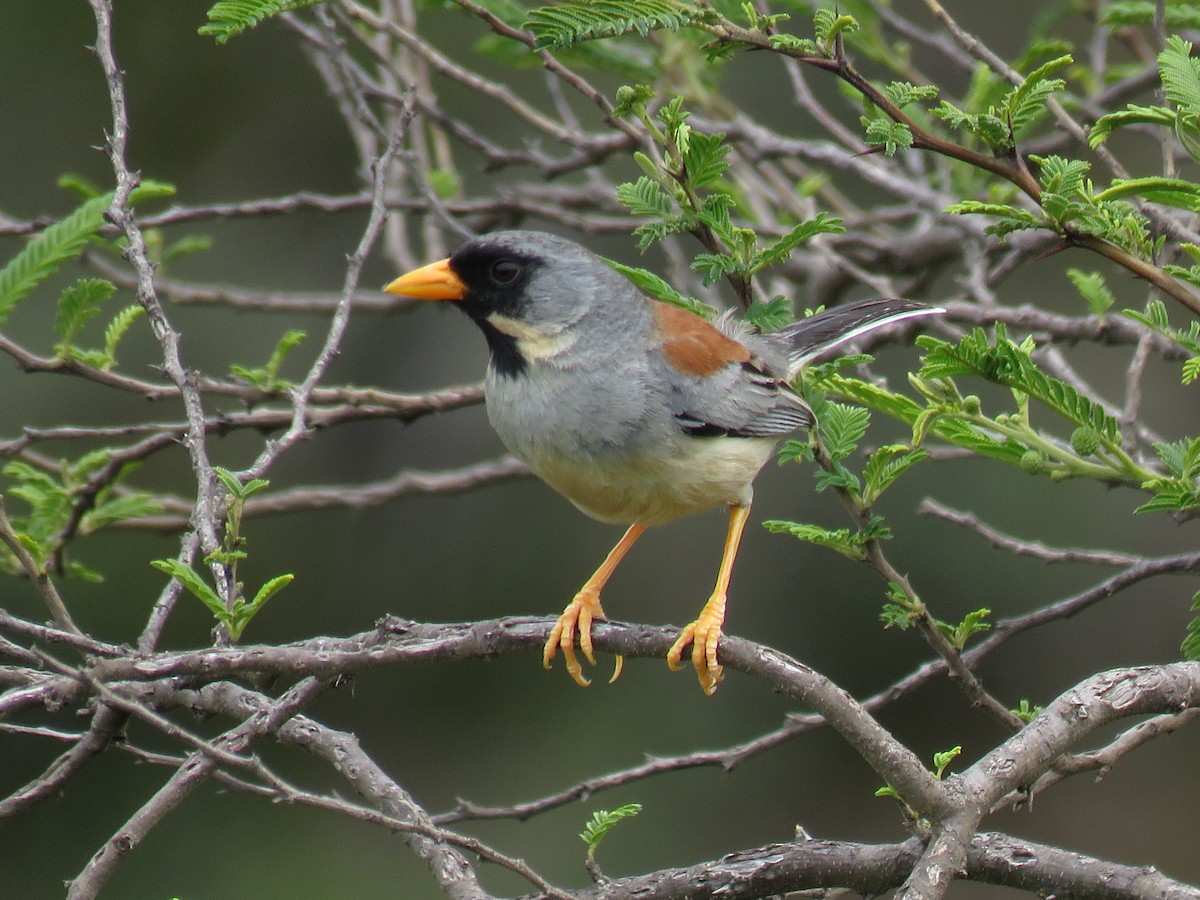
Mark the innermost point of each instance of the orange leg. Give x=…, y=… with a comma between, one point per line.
x=583, y=609
x=705, y=633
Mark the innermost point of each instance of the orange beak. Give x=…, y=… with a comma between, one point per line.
x=435, y=281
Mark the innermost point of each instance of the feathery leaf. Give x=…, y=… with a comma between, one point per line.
x=556, y=27
x=77, y=305
x=228, y=18
x=47, y=251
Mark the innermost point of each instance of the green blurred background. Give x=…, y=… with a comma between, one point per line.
x=251, y=119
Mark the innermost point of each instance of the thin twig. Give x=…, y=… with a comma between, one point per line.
x=36, y=573
x=1036, y=549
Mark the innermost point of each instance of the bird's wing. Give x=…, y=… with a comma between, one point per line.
x=716, y=385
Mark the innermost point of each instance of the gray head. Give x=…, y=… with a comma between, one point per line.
x=526, y=289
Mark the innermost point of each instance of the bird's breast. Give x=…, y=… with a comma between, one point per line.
x=604, y=436
x=695, y=474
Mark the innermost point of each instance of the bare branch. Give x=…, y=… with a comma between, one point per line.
x=187, y=778
x=1036, y=549
x=36, y=573
x=345, y=755
x=402, y=484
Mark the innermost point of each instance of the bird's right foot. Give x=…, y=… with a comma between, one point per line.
x=576, y=618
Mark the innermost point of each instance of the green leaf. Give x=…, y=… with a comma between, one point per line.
x=1141, y=12
x=228, y=18
x=1007, y=364
x=238, y=490
x=269, y=590
x=1191, y=643
x=789, y=43
x=1187, y=130
x=1191, y=370
x=1155, y=318
x=1026, y=711
x=903, y=93
x=989, y=127
x=943, y=759
x=119, y=509
x=1131, y=115
x=973, y=623
x=842, y=540
x=645, y=197
x=84, y=188
x=840, y=478
x=555, y=27
x=828, y=26
x=714, y=212
x=49, y=503
x=893, y=615
x=760, y=22
x=769, y=316
x=795, y=451
x=602, y=822
x=188, y=244
x=446, y=183
x=1093, y=289
x=1180, y=491
x=1012, y=218
x=1026, y=103
x=287, y=342
x=704, y=161
x=149, y=189
x=842, y=427
x=899, y=611
x=1168, y=191
x=1169, y=497
x=266, y=378
x=243, y=612
x=61, y=242
x=90, y=462
x=888, y=134
x=116, y=330
x=631, y=101
x=714, y=266
x=197, y=586
x=1180, y=73
x=77, y=305
x=48, y=250
x=1182, y=457
x=656, y=287
x=884, y=466
x=1062, y=176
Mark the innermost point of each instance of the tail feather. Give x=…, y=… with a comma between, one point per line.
x=810, y=337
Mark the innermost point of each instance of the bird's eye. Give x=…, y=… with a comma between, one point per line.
x=504, y=272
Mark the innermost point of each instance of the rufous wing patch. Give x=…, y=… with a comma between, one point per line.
x=693, y=346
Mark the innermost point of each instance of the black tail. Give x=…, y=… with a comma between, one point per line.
x=810, y=337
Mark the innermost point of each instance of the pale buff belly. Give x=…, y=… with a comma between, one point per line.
x=702, y=474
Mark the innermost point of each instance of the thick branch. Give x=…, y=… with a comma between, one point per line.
x=870, y=869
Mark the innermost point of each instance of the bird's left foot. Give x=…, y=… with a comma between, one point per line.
x=704, y=635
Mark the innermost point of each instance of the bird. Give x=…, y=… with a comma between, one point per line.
x=637, y=411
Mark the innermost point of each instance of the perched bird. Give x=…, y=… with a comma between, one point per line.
x=636, y=411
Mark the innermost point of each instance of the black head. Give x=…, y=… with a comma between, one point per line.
x=524, y=289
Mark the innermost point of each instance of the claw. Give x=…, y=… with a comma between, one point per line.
x=577, y=617
x=703, y=635
x=582, y=610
